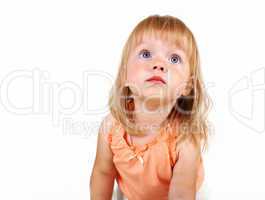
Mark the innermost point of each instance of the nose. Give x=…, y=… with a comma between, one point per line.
x=163, y=69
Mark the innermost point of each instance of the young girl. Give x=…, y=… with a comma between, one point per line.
x=152, y=140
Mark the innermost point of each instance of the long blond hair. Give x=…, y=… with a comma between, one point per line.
x=190, y=110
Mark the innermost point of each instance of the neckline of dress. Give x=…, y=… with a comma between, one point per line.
x=128, y=142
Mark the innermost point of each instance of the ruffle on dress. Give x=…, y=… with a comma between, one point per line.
x=120, y=145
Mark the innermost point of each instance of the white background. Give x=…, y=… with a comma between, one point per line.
x=48, y=152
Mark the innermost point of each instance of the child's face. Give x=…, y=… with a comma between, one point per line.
x=155, y=57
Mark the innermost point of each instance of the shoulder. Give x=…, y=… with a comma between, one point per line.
x=187, y=149
x=103, y=161
x=107, y=122
x=189, y=156
x=106, y=126
x=188, y=169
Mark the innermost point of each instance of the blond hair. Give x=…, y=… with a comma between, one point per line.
x=190, y=110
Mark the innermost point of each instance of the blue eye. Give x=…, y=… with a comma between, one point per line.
x=175, y=59
x=145, y=53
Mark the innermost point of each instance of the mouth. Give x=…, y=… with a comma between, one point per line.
x=156, y=79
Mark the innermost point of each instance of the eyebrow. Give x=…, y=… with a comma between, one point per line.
x=180, y=51
x=139, y=45
x=173, y=48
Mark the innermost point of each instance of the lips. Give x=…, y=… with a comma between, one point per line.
x=156, y=79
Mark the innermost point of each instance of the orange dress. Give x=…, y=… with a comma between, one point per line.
x=144, y=173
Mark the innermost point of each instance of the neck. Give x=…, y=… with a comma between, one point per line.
x=151, y=112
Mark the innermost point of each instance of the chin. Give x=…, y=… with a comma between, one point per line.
x=155, y=92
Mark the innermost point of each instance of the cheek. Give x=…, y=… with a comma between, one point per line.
x=178, y=79
x=135, y=73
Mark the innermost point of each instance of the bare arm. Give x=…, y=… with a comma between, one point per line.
x=188, y=173
x=104, y=171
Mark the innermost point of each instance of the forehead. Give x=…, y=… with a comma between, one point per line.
x=160, y=43
x=171, y=40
